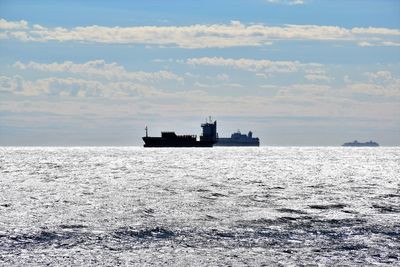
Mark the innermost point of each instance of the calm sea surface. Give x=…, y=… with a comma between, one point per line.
x=203, y=206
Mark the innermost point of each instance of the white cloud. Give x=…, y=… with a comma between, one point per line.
x=203, y=85
x=317, y=74
x=266, y=68
x=366, y=88
x=365, y=44
x=259, y=66
x=20, y=35
x=75, y=96
x=38, y=27
x=13, y=25
x=200, y=35
x=246, y=64
x=317, y=77
x=294, y=91
x=11, y=84
x=286, y=2
x=191, y=75
x=73, y=87
x=375, y=31
x=379, y=75
x=380, y=83
x=379, y=43
x=218, y=85
x=99, y=68
x=389, y=43
x=223, y=77
x=297, y=2
x=308, y=89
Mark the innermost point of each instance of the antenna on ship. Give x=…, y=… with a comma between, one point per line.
x=146, y=131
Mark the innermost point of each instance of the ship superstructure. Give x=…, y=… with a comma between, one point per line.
x=171, y=139
x=238, y=139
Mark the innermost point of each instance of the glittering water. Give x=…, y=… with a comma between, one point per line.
x=212, y=206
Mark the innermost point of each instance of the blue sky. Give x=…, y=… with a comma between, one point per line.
x=294, y=72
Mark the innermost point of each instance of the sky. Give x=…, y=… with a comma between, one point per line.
x=295, y=72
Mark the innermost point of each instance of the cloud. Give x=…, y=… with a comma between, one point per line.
x=265, y=68
x=382, y=75
x=13, y=25
x=11, y=84
x=223, y=77
x=76, y=96
x=304, y=90
x=287, y=2
x=317, y=74
x=191, y=75
x=373, y=89
x=365, y=44
x=389, y=43
x=293, y=92
x=381, y=83
x=259, y=66
x=216, y=85
x=317, y=77
x=375, y=31
x=73, y=87
x=372, y=44
x=199, y=35
x=99, y=68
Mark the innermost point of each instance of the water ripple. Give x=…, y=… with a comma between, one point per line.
x=202, y=207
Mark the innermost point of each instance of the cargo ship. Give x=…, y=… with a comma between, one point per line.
x=358, y=144
x=238, y=139
x=171, y=139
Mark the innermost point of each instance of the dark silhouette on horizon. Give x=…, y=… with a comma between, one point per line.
x=171, y=139
x=358, y=144
x=239, y=139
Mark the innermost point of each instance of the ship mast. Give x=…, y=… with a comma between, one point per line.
x=146, y=131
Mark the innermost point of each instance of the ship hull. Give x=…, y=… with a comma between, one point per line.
x=233, y=142
x=164, y=142
x=236, y=144
x=360, y=145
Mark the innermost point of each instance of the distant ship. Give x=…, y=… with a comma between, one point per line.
x=358, y=144
x=238, y=139
x=171, y=139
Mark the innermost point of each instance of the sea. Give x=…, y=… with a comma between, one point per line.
x=261, y=206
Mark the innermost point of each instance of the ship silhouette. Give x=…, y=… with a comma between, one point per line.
x=171, y=139
x=358, y=144
x=238, y=139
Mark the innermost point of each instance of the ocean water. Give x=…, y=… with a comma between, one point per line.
x=265, y=206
